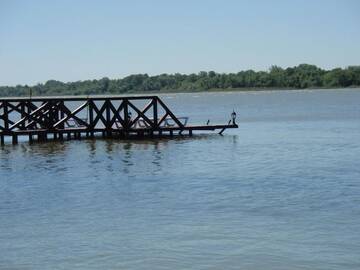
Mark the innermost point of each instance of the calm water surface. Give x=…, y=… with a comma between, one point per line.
x=280, y=192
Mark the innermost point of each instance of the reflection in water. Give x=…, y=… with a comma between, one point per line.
x=5, y=158
x=157, y=154
x=127, y=157
x=136, y=155
x=48, y=148
x=91, y=145
x=48, y=154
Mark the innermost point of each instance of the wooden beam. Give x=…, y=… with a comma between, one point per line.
x=116, y=115
x=6, y=115
x=155, y=112
x=162, y=119
x=151, y=123
x=170, y=113
x=98, y=114
x=30, y=116
x=140, y=115
x=72, y=115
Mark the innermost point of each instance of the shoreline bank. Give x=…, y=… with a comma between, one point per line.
x=214, y=90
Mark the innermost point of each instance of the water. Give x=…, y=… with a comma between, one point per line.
x=280, y=192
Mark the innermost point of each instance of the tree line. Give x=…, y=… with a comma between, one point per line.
x=298, y=77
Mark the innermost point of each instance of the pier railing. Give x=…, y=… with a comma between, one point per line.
x=74, y=116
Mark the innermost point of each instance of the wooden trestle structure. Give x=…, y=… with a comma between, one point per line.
x=75, y=117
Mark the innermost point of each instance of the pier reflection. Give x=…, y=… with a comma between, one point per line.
x=117, y=157
x=125, y=156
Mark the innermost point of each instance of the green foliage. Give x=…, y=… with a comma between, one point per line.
x=298, y=77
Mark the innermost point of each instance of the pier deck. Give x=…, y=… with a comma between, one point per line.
x=77, y=116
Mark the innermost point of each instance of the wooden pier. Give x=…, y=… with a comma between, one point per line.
x=42, y=118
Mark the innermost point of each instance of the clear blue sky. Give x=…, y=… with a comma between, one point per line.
x=77, y=40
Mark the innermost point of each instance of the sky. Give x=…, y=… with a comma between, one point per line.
x=71, y=40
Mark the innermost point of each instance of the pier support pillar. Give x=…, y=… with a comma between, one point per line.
x=42, y=136
x=14, y=139
x=61, y=137
x=31, y=138
x=190, y=132
x=140, y=134
x=2, y=140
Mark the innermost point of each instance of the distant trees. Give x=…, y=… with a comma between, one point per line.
x=298, y=77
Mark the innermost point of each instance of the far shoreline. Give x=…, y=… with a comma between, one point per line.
x=193, y=91
x=227, y=90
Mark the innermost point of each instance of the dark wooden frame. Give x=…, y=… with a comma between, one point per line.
x=48, y=115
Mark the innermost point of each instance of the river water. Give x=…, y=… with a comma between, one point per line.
x=280, y=192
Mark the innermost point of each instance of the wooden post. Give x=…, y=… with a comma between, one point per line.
x=6, y=115
x=42, y=136
x=126, y=114
x=62, y=115
x=108, y=119
x=2, y=140
x=91, y=114
x=29, y=104
x=140, y=134
x=155, y=112
x=22, y=109
x=14, y=139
